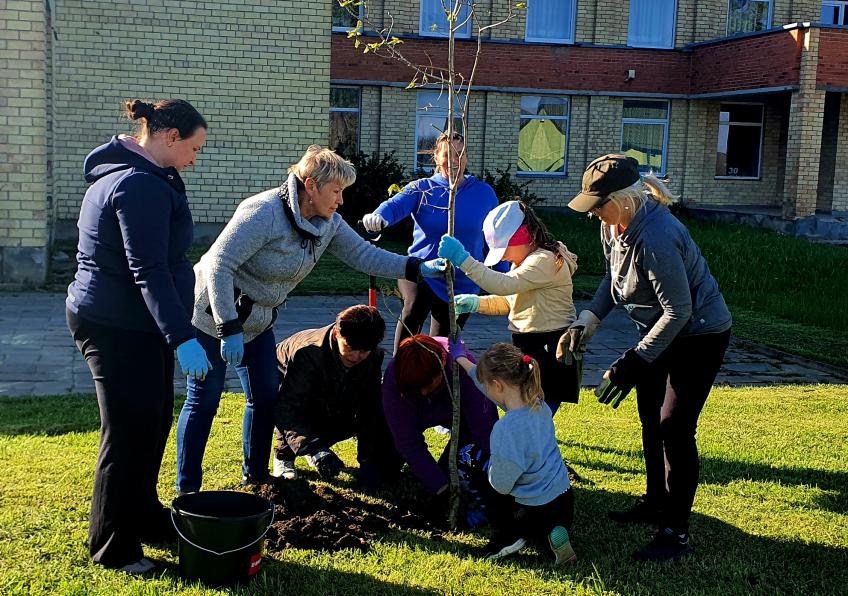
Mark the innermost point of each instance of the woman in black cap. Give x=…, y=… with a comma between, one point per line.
x=657, y=273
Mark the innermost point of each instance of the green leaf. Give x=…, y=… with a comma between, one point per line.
x=521, y=5
x=394, y=41
x=394, y=188
x=356, y=43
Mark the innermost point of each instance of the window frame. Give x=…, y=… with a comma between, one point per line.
x=762, y=126
x=842, y=5
x=459, y=35
x=361, y=16
x=769, y=19
x=419, y=112
x=567, y=118
x=651, y=121
x=659, y=47
x=357, y=110
x=531, y=39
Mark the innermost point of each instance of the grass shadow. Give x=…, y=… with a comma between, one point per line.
x=723, y=472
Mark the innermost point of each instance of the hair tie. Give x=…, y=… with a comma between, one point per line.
x=526, y=359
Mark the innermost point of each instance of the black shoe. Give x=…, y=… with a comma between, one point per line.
x=667, y=545
x=501, y=546
x=248, y=481
x=641, y=512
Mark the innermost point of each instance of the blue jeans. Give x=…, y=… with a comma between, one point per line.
x=260, y=381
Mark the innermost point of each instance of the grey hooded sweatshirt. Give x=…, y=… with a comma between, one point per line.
x=264, y=251
x=657, y=273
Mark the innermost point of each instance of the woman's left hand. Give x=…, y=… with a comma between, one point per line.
x=433, y=268
x=622, y=376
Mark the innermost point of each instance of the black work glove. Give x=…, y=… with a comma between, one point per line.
x=621, y=378
x=326, y=463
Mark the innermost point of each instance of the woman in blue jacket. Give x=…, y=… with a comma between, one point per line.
x=128, y=308
x=426, y=200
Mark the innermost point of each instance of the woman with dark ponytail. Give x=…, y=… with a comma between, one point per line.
x=128, y=308
x=535, y=294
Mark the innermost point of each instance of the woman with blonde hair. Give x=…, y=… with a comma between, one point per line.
x=657, y=273
x=426, y=201
x=272, y=242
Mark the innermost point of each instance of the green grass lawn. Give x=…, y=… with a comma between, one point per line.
x=771, y=513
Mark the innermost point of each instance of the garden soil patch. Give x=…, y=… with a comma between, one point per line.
x=312, y=516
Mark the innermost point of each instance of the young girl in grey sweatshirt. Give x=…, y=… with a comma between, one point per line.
x=272, y=242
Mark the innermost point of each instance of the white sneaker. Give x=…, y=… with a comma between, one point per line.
x=284, y=469
x=143, y=565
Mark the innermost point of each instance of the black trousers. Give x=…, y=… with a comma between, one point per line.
x=374, y=442
x=419, y=300
x=133, y=375
x=670, y=399
x=560, y=382
x=531, y=522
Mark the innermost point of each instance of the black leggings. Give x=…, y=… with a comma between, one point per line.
x=531, y=522
x=670, y=399
x=419, y=300
x=133, y=374
x=560, y=382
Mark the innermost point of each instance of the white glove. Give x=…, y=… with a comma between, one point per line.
x=587, y=323
x=373, y=223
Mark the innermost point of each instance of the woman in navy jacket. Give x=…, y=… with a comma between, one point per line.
x=128, y=308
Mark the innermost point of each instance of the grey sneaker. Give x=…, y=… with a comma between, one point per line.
x=284, y=469
x=502, y=546
x=143, y=565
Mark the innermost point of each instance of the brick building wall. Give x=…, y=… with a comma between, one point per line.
x=840, y=175
x=23, y=142
x=258, y=72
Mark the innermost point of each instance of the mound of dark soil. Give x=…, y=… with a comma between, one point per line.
x=320, y=518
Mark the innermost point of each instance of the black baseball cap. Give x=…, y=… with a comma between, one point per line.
x=603, y=176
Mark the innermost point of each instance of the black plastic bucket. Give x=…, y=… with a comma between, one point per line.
x=221, y=535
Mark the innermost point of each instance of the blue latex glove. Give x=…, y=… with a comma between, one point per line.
x=466, y=303
x=193, y=360
x=232, y=349
x=453, y=250
x=433, y=268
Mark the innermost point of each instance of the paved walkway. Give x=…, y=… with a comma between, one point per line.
x=37, y=356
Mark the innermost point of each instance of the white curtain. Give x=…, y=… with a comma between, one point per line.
x=550, y=19
x=651, y=23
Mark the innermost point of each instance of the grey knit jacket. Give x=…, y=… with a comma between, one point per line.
x=263, y=253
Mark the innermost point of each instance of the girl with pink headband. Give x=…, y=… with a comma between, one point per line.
x=536, y=294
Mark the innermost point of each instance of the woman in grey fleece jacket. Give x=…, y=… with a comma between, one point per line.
x=272, y=242
x=656, y=272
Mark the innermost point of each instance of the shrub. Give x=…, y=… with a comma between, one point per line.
x=508, y=188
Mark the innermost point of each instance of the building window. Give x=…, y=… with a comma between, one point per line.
x=542, y=135
x=644, y=133
x=550, y=21
x=651, y=23
x=344, y=119
x=434, y=22
x=834, y=13
x=343, y=20
x=745, y=16
x=431, y=120
x=740, y=141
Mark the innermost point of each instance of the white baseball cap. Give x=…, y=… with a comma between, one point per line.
x=498, y=228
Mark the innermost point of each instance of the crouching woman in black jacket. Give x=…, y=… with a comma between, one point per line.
x=329, y=392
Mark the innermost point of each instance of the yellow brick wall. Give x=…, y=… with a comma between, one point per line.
x=397, y=131
x=258, y=72
x=610, y=26
x=23, y=125
x=369, y=120
x=405, y=14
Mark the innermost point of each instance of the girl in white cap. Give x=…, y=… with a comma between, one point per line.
x=536, y=294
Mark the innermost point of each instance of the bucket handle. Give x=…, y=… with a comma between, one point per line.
x=226, y=552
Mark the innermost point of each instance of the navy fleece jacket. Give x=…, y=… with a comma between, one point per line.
x=134, y=229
